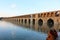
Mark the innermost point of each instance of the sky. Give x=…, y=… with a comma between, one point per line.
x=10, y=8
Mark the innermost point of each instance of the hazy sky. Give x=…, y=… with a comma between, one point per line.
x=23, y=7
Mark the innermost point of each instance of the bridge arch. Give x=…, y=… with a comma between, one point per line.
x=40, y=22
x=50, y=22
x=22, y=21
x=33, y=22
x=25, y=21
x=19, y=20
x=29, y=21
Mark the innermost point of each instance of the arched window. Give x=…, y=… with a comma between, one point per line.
x=51, y=13
x=47, y=14
x=38, y=15
x=44, y=14
x=57, y=14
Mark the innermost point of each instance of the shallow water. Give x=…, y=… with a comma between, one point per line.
x=9, y=31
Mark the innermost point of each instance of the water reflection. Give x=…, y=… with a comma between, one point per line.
x=10, y=31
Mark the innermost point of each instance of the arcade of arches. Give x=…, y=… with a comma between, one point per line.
x=38, y=21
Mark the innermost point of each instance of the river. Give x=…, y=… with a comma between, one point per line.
x=9, y=31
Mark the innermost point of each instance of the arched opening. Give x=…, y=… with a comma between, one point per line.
x=44, y=14
x=25, y=21
x=50, y=23
x=29, y=21
x=52, y=13
x=57, y=14
x=38, y=15
x=41, y=14
x=40, y=22
x=19, y=20
x=1, y=18
x=48, y=14
x=33, y=22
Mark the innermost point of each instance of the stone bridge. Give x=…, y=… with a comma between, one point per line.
x=38, y=21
